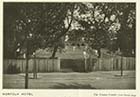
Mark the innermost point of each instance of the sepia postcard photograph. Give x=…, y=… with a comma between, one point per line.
x=69, y=46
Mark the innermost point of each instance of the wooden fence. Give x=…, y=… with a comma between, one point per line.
x=55, y=65
x=114, y=63
x=101, y=64
x=42, y=64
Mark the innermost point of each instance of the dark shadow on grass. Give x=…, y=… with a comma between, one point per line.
x=72, y=86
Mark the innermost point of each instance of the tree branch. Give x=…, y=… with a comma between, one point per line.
x=64, y=32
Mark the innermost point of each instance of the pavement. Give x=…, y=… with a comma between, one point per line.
x=73, y=80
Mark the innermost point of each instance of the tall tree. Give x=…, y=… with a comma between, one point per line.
x=107, y=25
x=42, y=22
x=37, y=25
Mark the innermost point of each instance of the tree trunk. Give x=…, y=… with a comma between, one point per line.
x=35, y=69
x=54, y=51
x=90, y=63
x=99, y=53
x=121, y=65
x=26, y=67
x=85, y=65
x=26, y=74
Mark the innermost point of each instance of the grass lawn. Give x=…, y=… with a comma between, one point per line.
x=73, y=80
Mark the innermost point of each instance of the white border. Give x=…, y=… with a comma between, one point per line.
x=73, y=92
